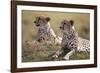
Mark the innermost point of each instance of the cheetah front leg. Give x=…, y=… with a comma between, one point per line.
x=67, y=56
x=56, y=55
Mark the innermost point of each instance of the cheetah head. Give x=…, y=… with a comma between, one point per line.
x=41, y=21
x=67, y=25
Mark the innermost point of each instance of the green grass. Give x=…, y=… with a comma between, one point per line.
x=40, y=52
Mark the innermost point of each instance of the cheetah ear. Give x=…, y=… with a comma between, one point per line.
x=72, y=22
x=48, y=19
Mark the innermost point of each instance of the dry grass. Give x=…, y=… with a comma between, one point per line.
x=34, y=52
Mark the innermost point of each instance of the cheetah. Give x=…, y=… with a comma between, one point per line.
x=71, y=42
x=83, y=45
x=45, y=32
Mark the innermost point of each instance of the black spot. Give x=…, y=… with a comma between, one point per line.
x=65, y=51
x=72, y=44
x=38, y=40
x=37, y=25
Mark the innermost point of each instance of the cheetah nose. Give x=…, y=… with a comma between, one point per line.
x=60, y=27
x=34, y=21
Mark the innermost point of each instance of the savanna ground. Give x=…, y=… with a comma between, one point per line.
x=32, y=51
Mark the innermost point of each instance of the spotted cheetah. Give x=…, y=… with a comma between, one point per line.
x=71, y=42
x=45, y=32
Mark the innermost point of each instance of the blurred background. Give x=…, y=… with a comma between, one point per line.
x=81, y=23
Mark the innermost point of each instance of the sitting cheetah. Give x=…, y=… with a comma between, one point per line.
x=45, y=32
x=70, y=41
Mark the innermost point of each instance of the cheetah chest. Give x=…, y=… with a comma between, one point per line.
x=69, y=41
x=44, y=33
